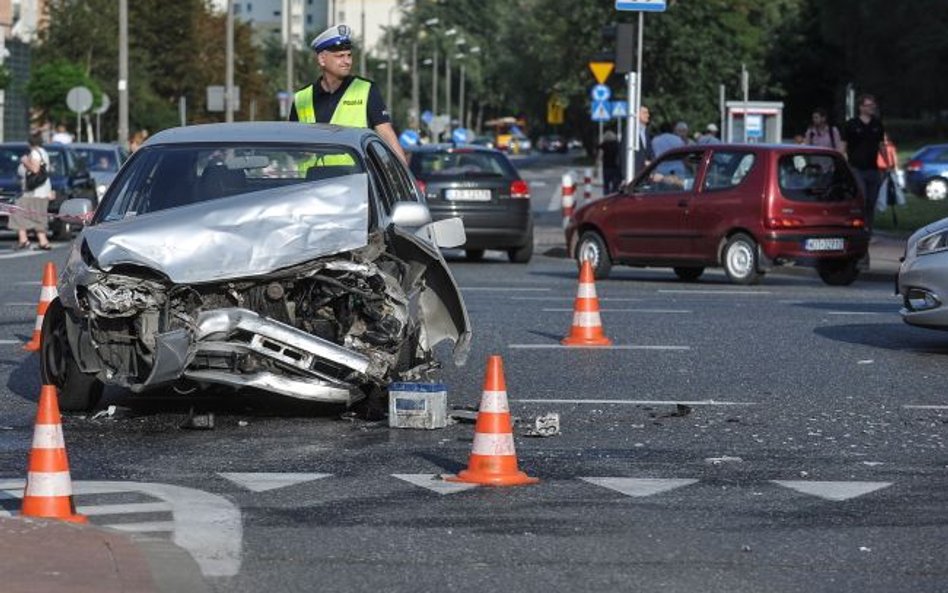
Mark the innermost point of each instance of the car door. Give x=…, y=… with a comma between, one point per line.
x=651, y=222
x=730, y=197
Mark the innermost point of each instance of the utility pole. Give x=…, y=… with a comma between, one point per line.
x=123, y=74
x=288, y=27
x=229, y=73
x=461, y=99
x=415, y=103
x=447, y=89
x=434, y=82
x=365, y=49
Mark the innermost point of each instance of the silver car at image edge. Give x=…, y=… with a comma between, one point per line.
x=282, y=257
x=923, y=277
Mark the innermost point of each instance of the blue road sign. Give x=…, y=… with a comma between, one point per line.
x=461, y=135
x=409, y=138
x=600, y=92
x=600, y=111
x=641, y=5
x=427, y=116
x=620, y=109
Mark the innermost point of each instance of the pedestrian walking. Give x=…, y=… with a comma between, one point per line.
x=821, y=133
x=710, y=135
x=666, y=140
x=609, y=157
x=864, y=137
x=339, y=97
x=31, y=207
x=644, y=155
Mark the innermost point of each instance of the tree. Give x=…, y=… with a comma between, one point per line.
x=49, y=85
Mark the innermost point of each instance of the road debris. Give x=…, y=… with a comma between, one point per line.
x=197, y=421
x=722, y=460
x=547, y=425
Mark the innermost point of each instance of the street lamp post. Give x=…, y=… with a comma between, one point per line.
x=447, y=80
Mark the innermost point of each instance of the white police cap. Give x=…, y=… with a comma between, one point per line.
x=335, y=38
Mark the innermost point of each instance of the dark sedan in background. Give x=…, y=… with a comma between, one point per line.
x=480, y=186
x=68, y=174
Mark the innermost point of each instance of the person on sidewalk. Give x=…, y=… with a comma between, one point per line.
x=820, y=133
x=864, y=137
x=31, y=211
x=609, y=157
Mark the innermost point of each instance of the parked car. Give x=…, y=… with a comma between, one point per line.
x=272, y=256
x=923, y=277
x=746, y=208
x=926, y=173
x=551, y=143
x=102, y=160
x=482, y=187
x=519, y=144
x=67, y=173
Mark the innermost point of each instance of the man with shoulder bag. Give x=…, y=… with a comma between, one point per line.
x=31, y=211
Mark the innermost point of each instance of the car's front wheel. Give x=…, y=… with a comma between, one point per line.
x=838, y=273
x=592, y=247
x=78, y=392
x=689, y=273
x=740, y=260
x=936, y=189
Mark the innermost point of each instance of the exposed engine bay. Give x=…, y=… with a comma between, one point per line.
x=322, y=330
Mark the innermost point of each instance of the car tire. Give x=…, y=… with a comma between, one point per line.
x=739, y=259
x=689, y=273
x=592, y=246
x=522, y=255
x=936, y=189
x=78, y=391
x=838, y=273
x=474, y=254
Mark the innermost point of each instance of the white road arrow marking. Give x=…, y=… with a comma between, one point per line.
x=639, y=487
x=208, y=526
x=434, y=483
x=836, y=491
x=261, y=481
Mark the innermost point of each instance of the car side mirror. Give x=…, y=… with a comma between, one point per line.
x=447, y=233
x=79, y=209
x=410, y=214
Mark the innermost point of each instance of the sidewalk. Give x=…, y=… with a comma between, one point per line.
x=46, y=556
x=885, y=251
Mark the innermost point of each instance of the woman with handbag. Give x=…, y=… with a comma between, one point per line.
x=30, y=213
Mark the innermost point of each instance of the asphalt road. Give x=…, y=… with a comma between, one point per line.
x=783, y=437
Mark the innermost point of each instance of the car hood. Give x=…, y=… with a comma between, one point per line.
x=241, y=236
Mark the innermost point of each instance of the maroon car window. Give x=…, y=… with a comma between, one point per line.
x=728, y=169
x=809, y=177
x=674, y=173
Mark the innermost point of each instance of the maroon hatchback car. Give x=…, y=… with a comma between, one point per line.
x=743, y=207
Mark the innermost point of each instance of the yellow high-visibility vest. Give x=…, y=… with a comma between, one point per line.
x=351, y=111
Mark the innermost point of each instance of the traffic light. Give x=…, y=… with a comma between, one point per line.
x=625, y=47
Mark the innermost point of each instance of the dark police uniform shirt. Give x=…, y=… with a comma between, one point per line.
x=862, y=142
x=324, y=103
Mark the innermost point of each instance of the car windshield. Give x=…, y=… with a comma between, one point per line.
x=460, y=163
x=815, y=178
x=169, y=176
x=99, y=159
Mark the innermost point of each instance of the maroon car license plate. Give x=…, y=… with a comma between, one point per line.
x=825, y=244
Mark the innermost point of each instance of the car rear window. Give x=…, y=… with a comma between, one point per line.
x=815, y=178
x=460, y=163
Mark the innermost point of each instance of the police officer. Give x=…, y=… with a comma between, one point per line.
x=338, y=97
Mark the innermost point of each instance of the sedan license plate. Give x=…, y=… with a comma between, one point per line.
x=825, y=244
x=467, y=195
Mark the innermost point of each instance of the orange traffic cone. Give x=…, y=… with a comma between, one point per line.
x=587, y=325
x=47, y=294
x=48, y=491
x=493, y=460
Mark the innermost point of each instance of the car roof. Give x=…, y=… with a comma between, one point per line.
x=283, y=132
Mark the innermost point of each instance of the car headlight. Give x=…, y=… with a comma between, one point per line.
x=933, y=243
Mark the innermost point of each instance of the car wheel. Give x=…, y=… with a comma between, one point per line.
x=522, y=255
x=838, y=273
x=936, y=189
x=474, y=254
x=78, y=392
x=60, y=231
x=592, y=247
x=740, y=260
x=689, y=273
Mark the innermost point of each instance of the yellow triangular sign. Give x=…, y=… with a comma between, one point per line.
x=601, y=70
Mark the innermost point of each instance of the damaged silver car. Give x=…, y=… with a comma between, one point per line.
x=294, y=259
